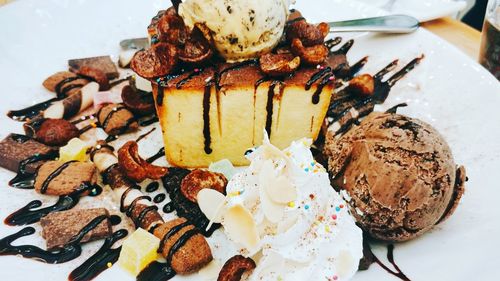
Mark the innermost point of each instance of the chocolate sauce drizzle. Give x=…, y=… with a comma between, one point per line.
x=169, y=208
x=330, y=43
x=147, y=122
x=108, y=117
x=174, y=230
x=28, y=214
x=345, y=101
x=145, y=135
x=130, y=208
x=123, y=130
x=156, y=271
x=53, y=175
x=152, y=187
x=68, y=252
x=207, y=93
x=157, y=156
x=370, y=258
x=159, y=198
x=163, y=271
x=25, y=180
x=98, y=262
x=61, y=92
x=34, y=110
x=31, y=111
x=160, y=96
x=144, y=213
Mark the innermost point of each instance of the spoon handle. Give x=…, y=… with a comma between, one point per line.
x=387, y=24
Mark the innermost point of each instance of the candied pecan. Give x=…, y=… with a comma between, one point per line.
x=206, y=32
x=362, y=85
x=172, y=29
x=279, y=64
x=197, y=49
x=234, y=268
x=135, y=167
x=140, y=103
x=56, y=132
x=309, y=34
x=200, y=179
x=283, y=50
x=157, y=61
x=310, y=55
x=96, y=75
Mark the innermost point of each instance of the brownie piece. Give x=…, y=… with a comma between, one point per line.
x=103, y=63
x=16, y=148
x=59, y=227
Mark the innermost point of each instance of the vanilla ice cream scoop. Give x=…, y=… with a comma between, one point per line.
x=241, y=29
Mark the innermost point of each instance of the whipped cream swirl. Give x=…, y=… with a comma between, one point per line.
x=282, y=212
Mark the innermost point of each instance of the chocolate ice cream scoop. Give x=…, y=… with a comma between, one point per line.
x=398, y=175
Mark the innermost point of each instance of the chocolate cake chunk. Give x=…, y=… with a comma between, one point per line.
x=63, y=178
x=16, y=148
x=103, y=63
x=60, y=227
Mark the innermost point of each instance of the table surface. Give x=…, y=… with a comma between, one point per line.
x=457, y=33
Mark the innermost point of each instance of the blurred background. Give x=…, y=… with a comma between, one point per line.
x=472, y=14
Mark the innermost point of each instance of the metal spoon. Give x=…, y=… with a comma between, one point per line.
x=387, y=24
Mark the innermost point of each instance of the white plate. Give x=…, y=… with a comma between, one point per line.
x=423, y=10
x=448, y=89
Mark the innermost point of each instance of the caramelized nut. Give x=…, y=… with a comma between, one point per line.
x=197, y=49
x=310, y=55
x=172, y=29
x=137, y=102
x=363, y=85
x=279, y=64
x=309, y=34
x=200, y=179
x=135, y=167
x=234, y=268
x=159, y=60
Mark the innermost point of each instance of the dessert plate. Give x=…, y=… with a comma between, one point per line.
x=422, y=10
x=448, y=90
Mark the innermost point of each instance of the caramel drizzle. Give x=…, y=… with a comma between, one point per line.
x=53, y=175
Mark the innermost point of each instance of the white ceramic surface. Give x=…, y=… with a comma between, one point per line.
x=448, y=89
x=423, y=10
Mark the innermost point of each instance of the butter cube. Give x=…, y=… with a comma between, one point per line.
x=76, y=149
x=139, y=250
